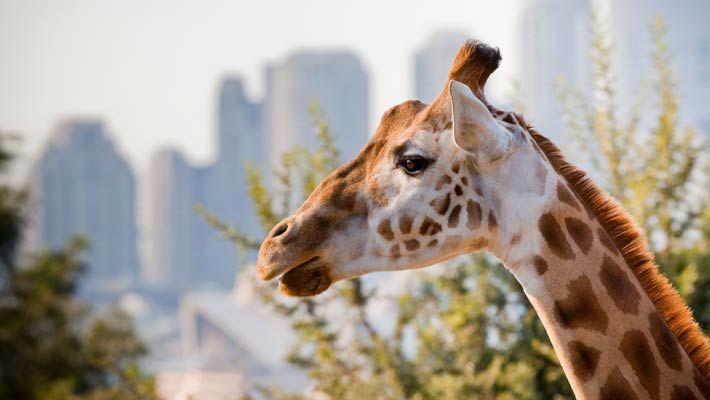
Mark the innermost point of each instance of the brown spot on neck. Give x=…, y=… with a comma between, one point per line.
x=580, y=233
x=619, y=287
x=555, y=237
x=701, y=383
x=565, y=196
x=581, y=309
x=638, y=353
x=540, y=265
x=584, y=359
x=617, y=387
x=631, y=243
x=682, y=392
x=666, y=343
x=606, y=241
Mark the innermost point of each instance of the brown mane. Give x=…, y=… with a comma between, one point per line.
x=631, y=242
x=473, y=64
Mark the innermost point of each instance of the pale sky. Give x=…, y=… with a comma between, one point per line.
x=151, y=69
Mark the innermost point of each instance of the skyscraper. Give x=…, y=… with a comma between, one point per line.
x=172, y=216
x=688, y=39
x=185, y=250
x=336, y=81
x=83, y=186
x=241, y=142
x=555, y=40
x=432, y=62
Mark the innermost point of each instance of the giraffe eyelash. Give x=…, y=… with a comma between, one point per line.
x=414, y=164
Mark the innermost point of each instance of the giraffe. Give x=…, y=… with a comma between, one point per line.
x=458, y=176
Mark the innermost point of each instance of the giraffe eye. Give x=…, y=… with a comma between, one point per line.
x=413, y=164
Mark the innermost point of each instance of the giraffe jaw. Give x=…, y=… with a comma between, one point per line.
x=307, y=279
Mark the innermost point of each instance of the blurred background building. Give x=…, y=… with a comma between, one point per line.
x=83, y=186
x=554, y=44
x=173, y=217
x=688, y=41
x=199, y=325
x=336, y=81
x=185, y=251
x=242, y=142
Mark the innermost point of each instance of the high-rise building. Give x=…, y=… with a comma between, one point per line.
x=555, y=40
x=172, y=214
x=336, y=81
x=433, y=61
x=688, y=40
x=83, y=186
x=187, y=252
x=241, y=142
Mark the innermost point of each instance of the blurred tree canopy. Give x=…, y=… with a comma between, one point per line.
x=466, y=330
x=656, y=167
x=51, y=346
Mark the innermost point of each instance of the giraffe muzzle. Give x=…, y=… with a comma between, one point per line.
x=308, y=279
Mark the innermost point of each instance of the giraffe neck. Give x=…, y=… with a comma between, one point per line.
x=609, y=337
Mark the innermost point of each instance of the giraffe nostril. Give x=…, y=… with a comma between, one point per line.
x=279, y=230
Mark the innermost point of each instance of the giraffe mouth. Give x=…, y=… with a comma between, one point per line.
x=307, y=279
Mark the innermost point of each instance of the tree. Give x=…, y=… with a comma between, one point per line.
x=471, y=300
x=51, y=347
x=659, y=173
x=466, y=330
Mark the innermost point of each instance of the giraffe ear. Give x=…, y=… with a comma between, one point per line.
x=475, y=129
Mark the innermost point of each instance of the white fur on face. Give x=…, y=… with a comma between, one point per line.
x=410, y=231
x=513, y=190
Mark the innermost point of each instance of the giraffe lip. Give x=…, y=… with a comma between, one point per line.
x=297, y=266
x=307, y=279
x=268, y=274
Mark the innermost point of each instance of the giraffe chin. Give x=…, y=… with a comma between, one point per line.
x=308, y=279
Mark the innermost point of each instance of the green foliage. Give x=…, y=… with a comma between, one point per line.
x=474, y=333
x=659, y=173
x=50, y=346
x=467, y=330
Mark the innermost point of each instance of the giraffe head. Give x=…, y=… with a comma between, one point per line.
x=433, y=182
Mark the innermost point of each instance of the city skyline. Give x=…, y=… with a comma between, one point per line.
x=82, y=186
x=169, y=268
x=120, y=80
x=237, y=133
x=152, y=75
